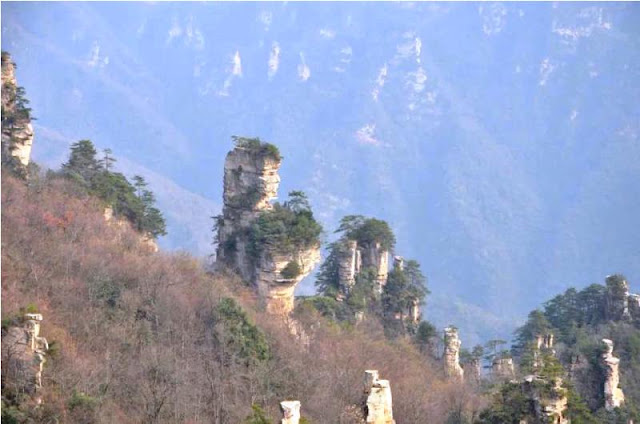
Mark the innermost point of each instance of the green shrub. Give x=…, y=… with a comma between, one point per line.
x=257, y=416
x=240, y=334
x=80, y=400
x=283, y=230
x=291, y=270
x=255, y=144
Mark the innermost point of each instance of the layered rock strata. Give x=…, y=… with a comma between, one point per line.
x=378, y=404
x=290, y=412
x=613, y=395
x=251, y=182
x=275, y=291
x=452, y=343
x=17, y=133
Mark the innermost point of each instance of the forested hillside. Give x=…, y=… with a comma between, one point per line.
x=141, y=337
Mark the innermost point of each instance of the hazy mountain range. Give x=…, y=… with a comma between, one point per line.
x=499, y=140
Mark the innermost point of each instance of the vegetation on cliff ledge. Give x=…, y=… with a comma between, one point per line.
x=133, y=202
x=261, y=148
x=286, y=229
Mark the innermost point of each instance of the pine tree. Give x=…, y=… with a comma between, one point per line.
x=82, y=165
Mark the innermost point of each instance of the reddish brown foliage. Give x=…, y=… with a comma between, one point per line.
x=133, y=331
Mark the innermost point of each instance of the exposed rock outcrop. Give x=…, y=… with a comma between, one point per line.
x=290, y=412
x=634, y=306
x=613, y=395
x=502, y=368
x=17, y=131
x=473, y=370
x=251, y=181
x=617, y=298
x=378, y=403
x=374, y=256
x=544, y=341
x=349, y=264
x=250, y=184
x=452, y=368
x=147, y=241
x=275, y=291
x=544, y=344
x=549, y=403
x=354, y=257
x=23, y=355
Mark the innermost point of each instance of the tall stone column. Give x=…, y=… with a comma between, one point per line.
x=378, y=403
x=452, y=343
x=613, y=395
x=290, y=412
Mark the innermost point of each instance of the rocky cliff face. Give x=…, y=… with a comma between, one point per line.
x=613, y=395
x=23, y=356
x=378, y=403
x=544, y=343
x=17, y=131
x=473, y=370
x=277, y=292
x=452, y=368
x=620, y=305
x=502, y=368
x=349, y=264
x=251, y=182
x=353, y=258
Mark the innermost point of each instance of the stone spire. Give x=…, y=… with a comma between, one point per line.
x=24, y=351
x=250, y=183
x=452, y=368
x=290, y=412
x=502, y=368
x=17, y=138
x=617, y=298
x=349, y=263
x=378, y=403
x=613, y=395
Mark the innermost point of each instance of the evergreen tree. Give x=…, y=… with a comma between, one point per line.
x=82, y=165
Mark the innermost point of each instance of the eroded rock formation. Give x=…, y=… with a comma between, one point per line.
x=17, y=131
x=473, y=370
x=549, y=400
x=353, y=258
x=23, y=355
x=502, y=368
x=349, y=264
x=290, y=411
x=634, y=306
x=613, y=395
x=544, y=344
x=251, y=181
x=250, y=184
x=276, y=291
x=452, y=368
x=378, y=403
